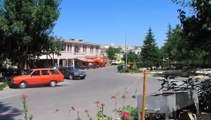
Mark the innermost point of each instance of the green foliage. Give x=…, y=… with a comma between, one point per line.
x=122, y=68
x=196, y=29
x=134, y=70
x=3, y=85
x=174, y=49
x=111, y=52
x=133, y=112
x=132, y=57
x=150, y=51
x=55, y=46
x=101, y=116
x=25, y=26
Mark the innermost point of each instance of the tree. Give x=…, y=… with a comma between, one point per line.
x=196, y=27
x=172, y=49
x=111, y=52
x=132, y=57
x=25, y=26
x=150, y=51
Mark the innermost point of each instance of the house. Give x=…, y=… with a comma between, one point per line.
x=74, y=52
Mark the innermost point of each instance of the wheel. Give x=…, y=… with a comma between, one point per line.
x=71, y=77
x=53, y=83
x=23, y=85
x=82, y=77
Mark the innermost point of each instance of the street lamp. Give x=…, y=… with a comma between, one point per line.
x=125, y=51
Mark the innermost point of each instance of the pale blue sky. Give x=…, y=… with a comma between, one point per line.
x=107, y=21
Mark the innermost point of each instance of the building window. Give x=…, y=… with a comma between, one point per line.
x=63, y=47
x=84, y=48
x=97, y=49
x=77, y=49
x=69, y=47
x=91, y=49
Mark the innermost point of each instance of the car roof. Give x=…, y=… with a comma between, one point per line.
x=67, y=67
x=43, y=69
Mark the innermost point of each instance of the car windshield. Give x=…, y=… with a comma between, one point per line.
x=28, y=72
x=76, y=69
x=70, y=68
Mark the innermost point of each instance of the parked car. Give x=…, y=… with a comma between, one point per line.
x=114, y=62
x=72, y=73
x=39, y=76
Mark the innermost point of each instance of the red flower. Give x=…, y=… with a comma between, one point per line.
x=126, y=115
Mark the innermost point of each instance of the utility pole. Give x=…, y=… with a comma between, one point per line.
x=144, y=96
x=125, y=51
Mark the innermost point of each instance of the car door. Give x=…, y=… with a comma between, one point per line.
x=70, y=71
x=45, y=76
x=35, y=77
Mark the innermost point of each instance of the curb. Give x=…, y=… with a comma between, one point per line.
x=6, y=88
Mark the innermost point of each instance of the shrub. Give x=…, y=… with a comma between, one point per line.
x=134, y=70
x=122, y=68
x=133, y=112
x=101, y=116
x=3, y=85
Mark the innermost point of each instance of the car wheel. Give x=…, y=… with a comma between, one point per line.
x=71, y=77
x=53, y=83
x=23, y=85
x=82, y=77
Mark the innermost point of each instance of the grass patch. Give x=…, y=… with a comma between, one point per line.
x=3, y=85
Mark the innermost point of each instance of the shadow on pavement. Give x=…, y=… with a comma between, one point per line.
x=7, y=112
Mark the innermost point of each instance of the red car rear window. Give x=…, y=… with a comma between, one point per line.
x=55, y=72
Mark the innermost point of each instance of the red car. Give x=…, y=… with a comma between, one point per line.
x=38, y=76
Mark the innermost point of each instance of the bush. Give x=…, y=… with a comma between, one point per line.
x=134, y=70
x=122, y=68
x=133, y=112
x=3, y=85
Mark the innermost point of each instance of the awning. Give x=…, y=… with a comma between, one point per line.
x=82, y=59
x=99, y=60
x=90, y=60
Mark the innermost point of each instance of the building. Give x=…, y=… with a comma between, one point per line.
x=73, y=53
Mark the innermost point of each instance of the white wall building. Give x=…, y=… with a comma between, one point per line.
x=73, y=51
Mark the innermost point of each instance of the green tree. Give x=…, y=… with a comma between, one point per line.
x=111, y=52
x=25, y=26
x=150, y=51
x=132, y=57
x=173, y=49
x=196, y=27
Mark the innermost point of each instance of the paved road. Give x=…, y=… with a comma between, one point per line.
x=56, y=103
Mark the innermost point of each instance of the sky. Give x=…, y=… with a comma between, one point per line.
x=115, y=21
